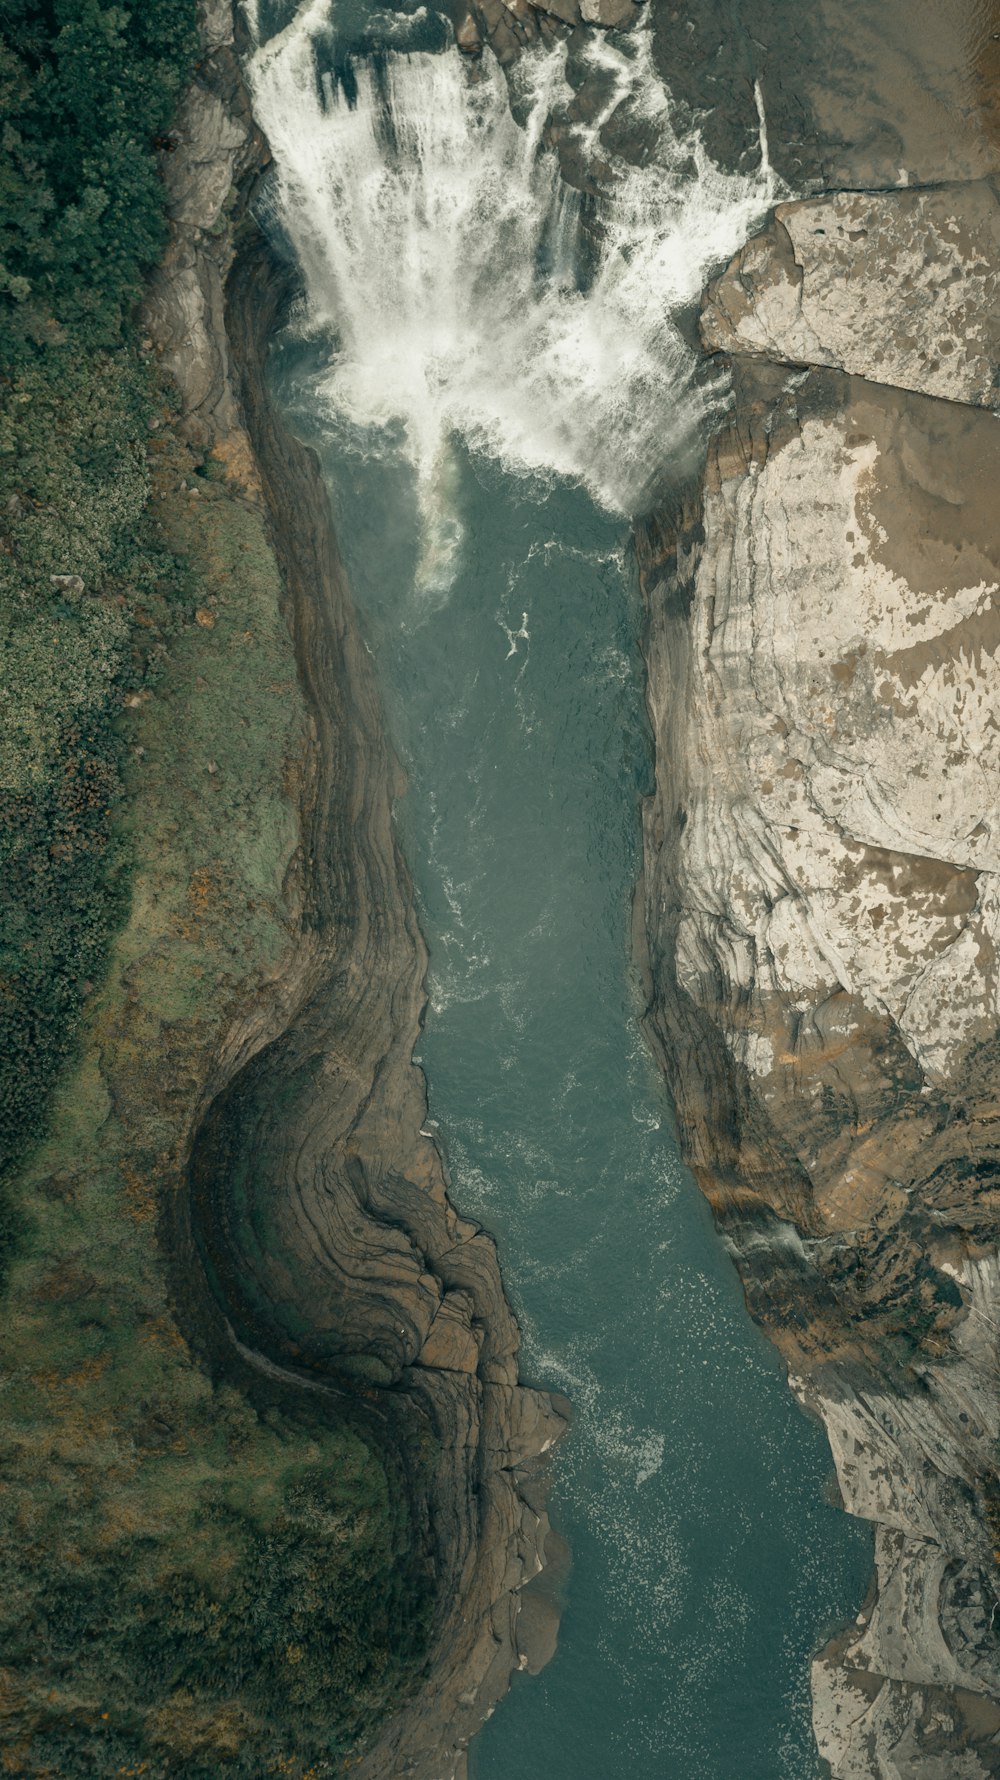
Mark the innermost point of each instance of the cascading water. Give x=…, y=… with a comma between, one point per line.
x=442, y=259
x=494, y=375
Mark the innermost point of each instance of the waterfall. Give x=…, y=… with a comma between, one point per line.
x=442, y=258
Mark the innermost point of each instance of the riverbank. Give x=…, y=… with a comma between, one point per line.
x=819, y=893
x=270, y=1463
x=279, y=1554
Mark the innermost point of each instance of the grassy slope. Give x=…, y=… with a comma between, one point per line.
x=190, y=1586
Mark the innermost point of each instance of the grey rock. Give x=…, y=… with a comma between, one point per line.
x=899, y=287
x=199, y=171
x=822, y=908
x=184, y=304
x=215, y=24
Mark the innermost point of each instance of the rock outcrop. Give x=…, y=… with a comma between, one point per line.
x=316, y=1254
x=898, y=287
x=821, y=905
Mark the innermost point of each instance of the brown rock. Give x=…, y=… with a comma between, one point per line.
x=467, y=35
x=452, y=1344
x=566, y=10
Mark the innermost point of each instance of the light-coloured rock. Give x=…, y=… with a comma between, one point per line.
x=901, y=287
x=847, y=674
x=823, y=913
x=215, y=24
x=199, y=171
x=212, y=146
x=883, y=1734
x=609, y=14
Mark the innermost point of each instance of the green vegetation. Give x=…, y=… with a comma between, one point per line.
x=192, y=1586
x=85, y=90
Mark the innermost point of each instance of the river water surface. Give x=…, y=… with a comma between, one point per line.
x=500, y=604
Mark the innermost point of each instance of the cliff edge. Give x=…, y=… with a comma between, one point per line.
x=270, y=1475
x=821, y=904
x=318, y=1203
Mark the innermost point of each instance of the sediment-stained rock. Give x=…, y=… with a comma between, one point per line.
x=900, y=287
x=317, y=1248
x=821, y=911
x=856, y=96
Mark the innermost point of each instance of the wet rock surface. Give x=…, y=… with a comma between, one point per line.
x=824, y=673
x=855, y=95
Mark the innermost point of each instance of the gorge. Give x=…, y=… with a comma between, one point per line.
x=582, y=427
x=501, y=618
x=862, y=1310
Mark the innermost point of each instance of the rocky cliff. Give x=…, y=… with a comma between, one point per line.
x=270, y=1474
x=821, y=904
x=318, y=1207
x=821, y=925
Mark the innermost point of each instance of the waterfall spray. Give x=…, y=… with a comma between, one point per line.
x=440, y=254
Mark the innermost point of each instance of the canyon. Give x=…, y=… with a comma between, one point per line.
x=336, y=1261
x=819, y=931
x=250, y=1282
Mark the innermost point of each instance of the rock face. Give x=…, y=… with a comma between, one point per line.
x=899, y=287
x=821, y=906
x=214, y=145
x=857, y=96
x=316, y=1247
x=326, y=1225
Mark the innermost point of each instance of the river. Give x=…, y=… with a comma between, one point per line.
x=496, y=377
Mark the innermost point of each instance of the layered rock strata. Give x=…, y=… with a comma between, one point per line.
x=316, y=1254
x=821, y=905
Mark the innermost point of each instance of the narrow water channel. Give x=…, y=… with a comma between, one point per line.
x=501, y=608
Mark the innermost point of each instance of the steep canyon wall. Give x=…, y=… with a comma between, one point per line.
x=820, y=917
x=242, y=1144
x=820, y=900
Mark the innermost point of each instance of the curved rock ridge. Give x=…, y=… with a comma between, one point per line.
x=318, y=1255
x=821, y=907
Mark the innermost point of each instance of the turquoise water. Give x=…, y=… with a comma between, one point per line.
x=455, y=289
x=706, y=1564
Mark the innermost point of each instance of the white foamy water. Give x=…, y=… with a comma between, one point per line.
x=441, y=256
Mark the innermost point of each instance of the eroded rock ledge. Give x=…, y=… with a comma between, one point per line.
x=822, y=912
x=318, y=1255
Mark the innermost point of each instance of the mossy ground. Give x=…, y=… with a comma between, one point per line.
x=189, y=1587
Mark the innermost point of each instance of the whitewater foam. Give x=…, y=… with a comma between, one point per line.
x=442, y=259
